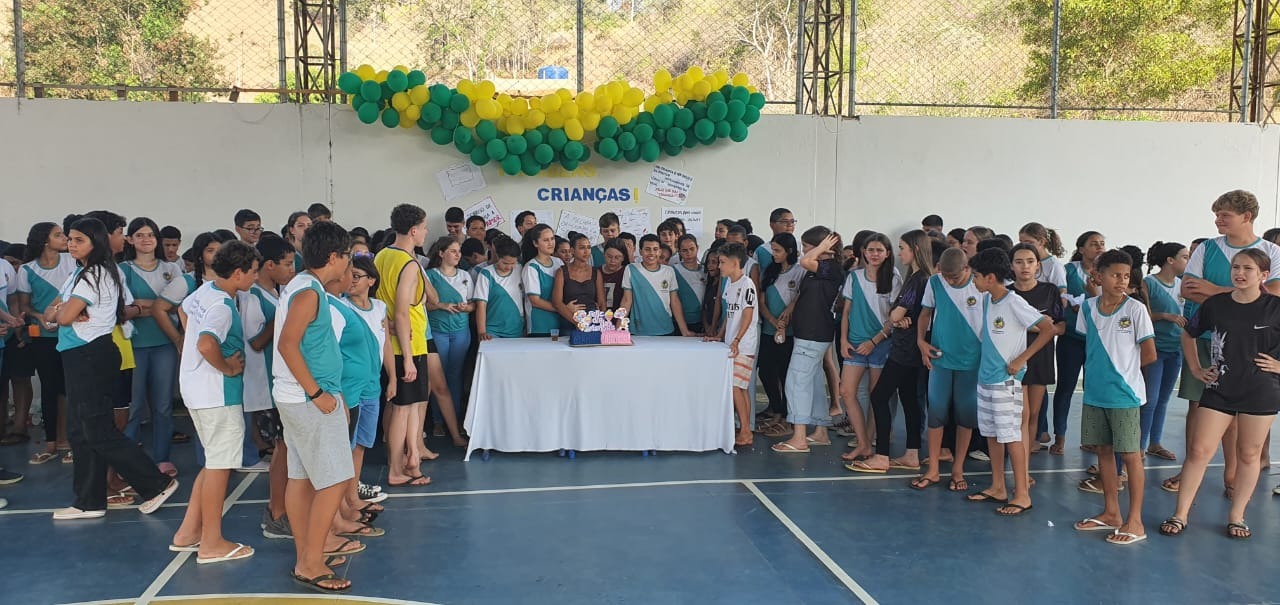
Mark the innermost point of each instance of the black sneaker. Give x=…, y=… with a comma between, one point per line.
x=371, y=493
x=9, y=478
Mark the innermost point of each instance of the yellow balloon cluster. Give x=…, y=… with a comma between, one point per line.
x=577, y=114
x=692, y=85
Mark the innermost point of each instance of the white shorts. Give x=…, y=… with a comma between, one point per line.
x=1000, y=411
x=221, y=433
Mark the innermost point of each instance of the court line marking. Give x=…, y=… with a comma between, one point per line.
x=813, y=547
x=600, y=486
x=259, y=595
x=158, y=584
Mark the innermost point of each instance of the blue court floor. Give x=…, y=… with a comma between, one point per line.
x=755, y=527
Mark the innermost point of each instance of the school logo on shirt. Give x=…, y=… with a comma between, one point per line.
x=167, y=276
x=666, y=285
x=1125, y=323
x=791, y=285
x=998, y=323
x=971, y=301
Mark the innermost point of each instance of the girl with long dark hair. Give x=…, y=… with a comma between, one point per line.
x=781, y=281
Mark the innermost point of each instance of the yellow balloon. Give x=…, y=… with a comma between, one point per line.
x=740, y=79
x=569, y=109
x=413, y=112
x=662, y=80
x=518, y=107
x=590, y=120
x=485, y=89
x=502, y=124
x=504, y=100
x=565, y=95
x=366, y=72
x=701, y=89
x=752, y=89
x=719, y=78
x=515, y=125
x=586, y=100
x=535, y=103
x=400, y=101
x=664, y=97
x=616, y=91
x=402, y=69
x=555, y=120
x=573, y=129
x=419, y=94
x=405, y=122
x=470, y=118
x=380, y=77
x=652, y=103
x=603, y=102
x=682, y=97
x=695, y=73
x=488, y=109
x=551, y=103
x=622, y=114
x=534, y=118
x=633, y=97
x=467, y=88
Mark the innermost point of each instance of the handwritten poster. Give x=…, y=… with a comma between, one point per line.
x=669, y=185
x=459, y=180
x=692, y=218
x=634, y=221
x=572, y=221
x=488, y=210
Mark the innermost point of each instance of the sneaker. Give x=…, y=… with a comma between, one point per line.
x=1276, y=491
x=154, y=504
x=261, y=467
x=9, y=478
x=72, y=513
x=980, y=456
x=371, y=493
x=266, y=517
x=277, y=529
x=4, y=503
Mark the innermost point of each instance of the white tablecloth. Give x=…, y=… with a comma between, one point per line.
x=663, y=393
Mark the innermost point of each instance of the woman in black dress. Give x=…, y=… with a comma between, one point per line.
x=578, y=286
x=1242, y=384
x=1047, y=299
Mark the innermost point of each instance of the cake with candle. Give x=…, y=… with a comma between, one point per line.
x=601, y=328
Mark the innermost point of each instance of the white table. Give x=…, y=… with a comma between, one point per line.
x=663, y=393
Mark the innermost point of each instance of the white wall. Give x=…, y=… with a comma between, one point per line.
x=195, y=165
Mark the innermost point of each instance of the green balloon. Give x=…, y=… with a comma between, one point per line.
x=557, y=139
x=430, y=113
x=716, y=112
x=738, y=132
x=676, y=137
x=715, y=97
x=533, y=138
x=497, y=149
x=684, y=118
x=440, y=95
x=751, y=116
x=756, y=100
x=627, y=141
x=672, y=150
x=660, y=135
x=608, y=148
x=510, y=164
x=740, y=94
x=516, y=145
x=441, y=135
x=479, y=156
x=398, y=81
x=459, y=103
x=632, y=156
x=735, y=110
x=722, y=130
x=586, y=153
x=417, y=78
x=350, y=83
x=643, y=132
x=425, y=125
x=461, y=135
x=371, y=91
x=390, y=117
x=450, y=120
x=699, y=110
x=544, y=154
x=386, y=93
x=704, y=129
x=466, y=146
x=608, y=127
x=664, y=115
x=644, y=118
x=726, y=91
x=368, y=113
x=357, y=101
x=650, y=151
x=529, y=165
x=486, y=130
x=569, y=164
x=690, y=142
x=573, y=150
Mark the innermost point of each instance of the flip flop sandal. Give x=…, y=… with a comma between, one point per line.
x=1171, y=484
x=858, y=466
x=239, y=552
x=1115, y=536
x=923, y=483
x=1093, y=470
x=365, y=531
x=985, y=497
x=314, y=583
x=335, y=561
x=777, y=430
x=1091, y=524
x=367, y=517
x=339, y=552
x=958, y=485
x=1173, y=526
x=119, y=501
x=1163, y=453
x=813, y=441
x=1239, y=531
x=68, y=458
x=189, y=548
x=894, y=464
x=41, y=458
x=786, y=448
x=1018, y=510
x=1057, y=450
x=412, y=482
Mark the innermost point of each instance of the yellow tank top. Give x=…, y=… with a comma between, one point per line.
x=390, y=263
x=126, y=349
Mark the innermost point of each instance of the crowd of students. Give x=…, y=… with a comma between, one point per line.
x=314, y=344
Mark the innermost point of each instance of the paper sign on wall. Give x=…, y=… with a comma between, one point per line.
x=669, y=185
x=487, y=210
x=512, y=225
x=572, y=221
x=692, y=218
x=634, y=221
x=459, y=180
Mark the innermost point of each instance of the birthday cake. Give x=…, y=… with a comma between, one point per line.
x=601, y=328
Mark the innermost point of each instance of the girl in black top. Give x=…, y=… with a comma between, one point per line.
x=577, y=284
x=1047, y=299
x=1242, y=385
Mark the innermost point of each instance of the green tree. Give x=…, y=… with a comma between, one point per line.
x=1126, y=53
x=107, y=42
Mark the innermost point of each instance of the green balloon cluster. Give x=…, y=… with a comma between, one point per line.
x=668, y=129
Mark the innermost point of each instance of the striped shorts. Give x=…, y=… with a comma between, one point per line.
x=742, y=368
x=1000, y=411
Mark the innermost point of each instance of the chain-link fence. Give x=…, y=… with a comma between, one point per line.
x=1137, y=59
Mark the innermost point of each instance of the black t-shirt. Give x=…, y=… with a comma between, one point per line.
x=1045, y=298
x=903, y=349
x=1239, y=333
x=814, y=317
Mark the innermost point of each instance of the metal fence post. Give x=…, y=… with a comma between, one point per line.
x=342, y=36
x=1054, y=57
x=1246, y=61
x=853, y=58
x=19, y=51
x=284, y=72
x=581, y=50
x=800, y=56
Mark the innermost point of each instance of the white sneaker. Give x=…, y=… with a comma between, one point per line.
x=4, y=503
x=261, y=467
x=72, y=513
x=154, y=504
x=980, y=456
x=1275, y=491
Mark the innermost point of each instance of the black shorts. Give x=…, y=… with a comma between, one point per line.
x=1234, y=413
x=408, y=393
x=39, y=356
x=123, y=393
x=431, y=346
x=268, y=424
x=1040, y=368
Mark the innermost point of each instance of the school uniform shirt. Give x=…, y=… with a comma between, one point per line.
x=1076, y=279
x=738, y=297
x=650, y=310
x=692, y=287
x=1238, y=332
x=1113, y=353
x=210, y=311
x=597, y=255
x=869, y=308
x=1004, y=335
x=957, y=323
x=319, y=346
x=539, y=280
x=374, y=317
x=44, y=285
x=1212, y=262
x=390, y=262
x=475, y=271
x=257, y=309
x=503, y=297
x=451, y=290
x=100, y=294
x=1052, y=271
x=763, y=256
x=779, y=294
x=1166, y=298
x=361, y=357
x=148, y=285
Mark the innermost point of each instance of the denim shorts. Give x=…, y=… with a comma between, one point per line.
x=366, y=429
x=876, y=359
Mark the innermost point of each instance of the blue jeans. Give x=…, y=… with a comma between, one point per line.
x=452, y=347
x=1070, y=360
x=1160, y=377
x=153, y=383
